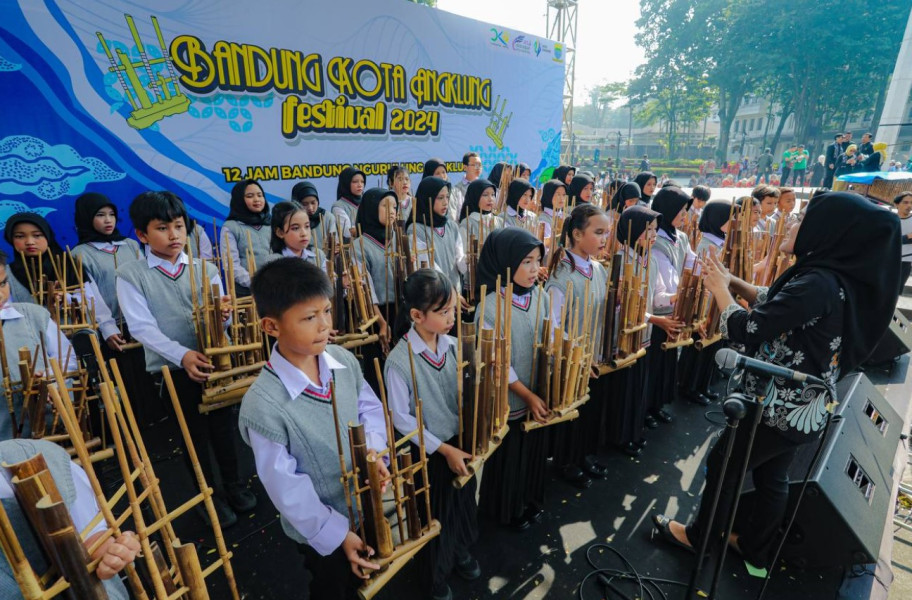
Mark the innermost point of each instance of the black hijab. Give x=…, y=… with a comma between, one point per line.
x=368, y=217
x=714, y=216
x=561, y=172
x=497, y=172
x=522, y=168
x=424, y=201
x=517, y=188
x=343, y=188
x=18, y=267
x=304, y=189
x=634, y=221
x=641, y=179
x=577, y=184
x=623, y=194
x=473, y=197
x=505, y=249
x=859, y=243
x=550, y=188
x=432, y=165
x=238, y=207
x=87, y=206
x=668, y=202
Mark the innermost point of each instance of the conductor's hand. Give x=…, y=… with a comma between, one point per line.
x=354, y=548
x=716, y=277
x=197, y=366
x=455, y=458
x=115, y=554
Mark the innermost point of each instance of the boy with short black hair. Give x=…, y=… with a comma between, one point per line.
x=287, y=418
x=700, y=196
x=27, y=325
x=156, y=300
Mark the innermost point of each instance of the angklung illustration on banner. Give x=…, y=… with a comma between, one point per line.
x=194, y=97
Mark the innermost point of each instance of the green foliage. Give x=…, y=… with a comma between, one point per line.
x=431, y=3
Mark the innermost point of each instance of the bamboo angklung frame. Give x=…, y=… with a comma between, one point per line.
x=357, y=315
x=68, y=305
x=365, y=500
x=237, y=354
x=483, y=382
x=176, y=572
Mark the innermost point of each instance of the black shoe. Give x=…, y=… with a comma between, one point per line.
x=468, y=568
x=442, y=591
x=593, y=467
x=520, y=523
x=226, y=516
x=651, y=422
x=662, y=415
x=713, y=396
x=534, y=513
x=640, y=443
x=630, y=449
x=240, y=498
x=662, y=525
x=575, y=477
x=699, y=400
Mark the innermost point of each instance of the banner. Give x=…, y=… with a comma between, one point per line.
x=192, y=97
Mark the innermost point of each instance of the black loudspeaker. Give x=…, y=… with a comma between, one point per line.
x=842, y=515
x=897, y=340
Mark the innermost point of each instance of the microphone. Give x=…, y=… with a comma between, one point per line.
x=726, y=358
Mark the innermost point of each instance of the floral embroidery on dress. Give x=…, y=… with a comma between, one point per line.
x=798, y=358
x=842, y=294
x=836, y=343
x=751, y=326
x=811, y=323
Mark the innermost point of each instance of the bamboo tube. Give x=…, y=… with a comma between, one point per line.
x=411, y=499
x=358, y=446
x=191, y=573
x=22, y=570
x=71, y=555
x=384, y=545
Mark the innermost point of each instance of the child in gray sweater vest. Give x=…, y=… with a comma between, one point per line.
x=287, y=418
x=246, y=230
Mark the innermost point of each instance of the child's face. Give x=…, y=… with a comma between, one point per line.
x=768, y=205
x=388, y=213
x=526, y=174
x=254, y=198
x=570, y=174
x=787, y=203
x=698, y=204
x=28, y=239
x=357, y=184
x=105, y=220
x=755, y=215
x=439, y=321
x=586, y=192
x=559, y=199
x=165, y=239
x=296, y=232
x=4, y=285
x=440, y=172
x=311, y=204
x=440, y=202
x=401, y=184
x=678, y=221
x=525, y=200
x=486, y=202
x=527, y=273
x=649, y=187
x=724, y=229
x=904, y=208
x=648, y=237
x=302, y=330
x=594, y=237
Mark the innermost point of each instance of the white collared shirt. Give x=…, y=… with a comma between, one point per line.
x=142, y=324
x=55, y=343
x=398, y=394
x=557, y=294
x=292, y=491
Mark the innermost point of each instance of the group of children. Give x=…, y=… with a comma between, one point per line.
x=280, y=256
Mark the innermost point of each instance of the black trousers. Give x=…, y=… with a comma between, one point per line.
x=214, y=431
x=768, y=464
x=332, y=575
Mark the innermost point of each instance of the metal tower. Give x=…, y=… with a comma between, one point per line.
x=561, y=27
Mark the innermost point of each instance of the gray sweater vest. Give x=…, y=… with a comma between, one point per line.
x=306, y=428
x=350, y=209
x=28, y=331
x=379, y=265
x=58, y=461
x=259, y=241
x=436, y=387
x=102, y=266
x=18, y=291
x=471, y=225
x=523, y=331
x=598, y=282
x=169, y=301
x=444, y=242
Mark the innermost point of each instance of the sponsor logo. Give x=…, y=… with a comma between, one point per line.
x=499, y=37
x=522, y=44
x=558, y=52
x=537, y=48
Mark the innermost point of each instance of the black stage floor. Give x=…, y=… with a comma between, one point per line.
x=550, y=559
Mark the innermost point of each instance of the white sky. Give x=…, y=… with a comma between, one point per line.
x=600, y=56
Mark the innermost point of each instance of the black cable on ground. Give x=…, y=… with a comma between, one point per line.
x=648, y=587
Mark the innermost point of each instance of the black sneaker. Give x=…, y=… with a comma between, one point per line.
x=651, y=422
x=442, y=591
x=240, y=498
x=226, y=516
x=630, y=449
x=662, y=415
x=468, y=568
x=575, y=477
